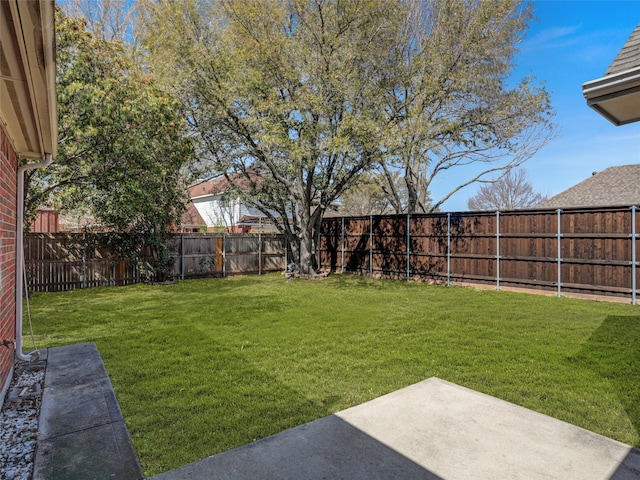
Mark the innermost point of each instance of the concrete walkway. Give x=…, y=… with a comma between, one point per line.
x=431, y=430
x=81, y=433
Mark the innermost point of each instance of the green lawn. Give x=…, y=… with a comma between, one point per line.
x=208, y=365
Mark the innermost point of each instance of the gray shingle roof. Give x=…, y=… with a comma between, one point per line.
x=629, y=56
x=614, y=186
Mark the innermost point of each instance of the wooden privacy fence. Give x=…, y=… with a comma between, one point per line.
x=207, y=255
x=67, y=261
x=59, y=262
x=591, y=251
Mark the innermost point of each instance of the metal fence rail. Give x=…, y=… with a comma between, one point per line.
x=573, y=250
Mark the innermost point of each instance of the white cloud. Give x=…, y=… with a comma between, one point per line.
x=549, y=37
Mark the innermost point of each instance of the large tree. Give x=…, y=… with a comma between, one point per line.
x=366, y=198
x=452, y=100
x=300, y=97
x=112, y=20
x=509, y=192
x=285, y=96
x=122, y=139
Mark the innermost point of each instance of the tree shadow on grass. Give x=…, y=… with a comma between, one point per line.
x=613, y=353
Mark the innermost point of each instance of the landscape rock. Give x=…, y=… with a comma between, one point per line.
x=19, y=422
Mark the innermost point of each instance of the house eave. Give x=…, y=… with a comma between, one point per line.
x=616, y=97
x=206, y=196
x=27, y=77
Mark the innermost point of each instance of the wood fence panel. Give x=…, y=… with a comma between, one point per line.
x=510, y=248
x=591, y=249
x=58, y=262
x=331, y=256
x=198, y=255
x=356, y=245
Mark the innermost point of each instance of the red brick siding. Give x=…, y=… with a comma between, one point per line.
x=8, y=167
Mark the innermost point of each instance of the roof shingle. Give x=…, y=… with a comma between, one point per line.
x=614, y=186
x=629, y=56
x=192, y=217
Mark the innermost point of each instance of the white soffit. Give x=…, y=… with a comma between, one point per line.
x=615, y=96
x=28, y=111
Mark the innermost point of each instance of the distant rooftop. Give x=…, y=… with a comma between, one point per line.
x=221, y=185
x=614, y=186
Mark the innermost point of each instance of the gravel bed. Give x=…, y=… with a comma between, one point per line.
x=19, y=422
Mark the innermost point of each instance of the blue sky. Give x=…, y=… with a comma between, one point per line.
x=572, y=42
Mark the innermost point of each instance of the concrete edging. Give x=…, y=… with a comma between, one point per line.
x=81, y=432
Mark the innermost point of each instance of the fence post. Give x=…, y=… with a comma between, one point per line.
x=559, y=257
x=370, y=245
x=259, y=253
x=224, y=255
x=448, y=249
x=182, y=256
x=84, y=261
x=498, y=250
x=634, y=262
x=319, y=249
x=342, y=241
x=408, y=247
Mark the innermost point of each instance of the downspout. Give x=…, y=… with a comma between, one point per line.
x=20, y=255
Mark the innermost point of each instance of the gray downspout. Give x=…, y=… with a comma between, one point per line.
x=30, y=357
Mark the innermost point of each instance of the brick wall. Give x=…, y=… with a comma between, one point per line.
x=8, y=167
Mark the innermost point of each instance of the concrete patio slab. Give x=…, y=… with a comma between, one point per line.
x=431, y=430
x=81, y=433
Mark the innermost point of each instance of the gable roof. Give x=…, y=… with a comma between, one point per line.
x=614, y=186
x=629, y=56
x=616, y=96
x=219, y=186
x=191, y=217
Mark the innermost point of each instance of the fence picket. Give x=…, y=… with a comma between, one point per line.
x=59, y=262
x=589, y=248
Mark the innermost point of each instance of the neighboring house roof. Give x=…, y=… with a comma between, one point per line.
x=614, y=186
x=78, y=222
x=217, y=186
x=192, y=217
x=28, y=110
x=616, y=96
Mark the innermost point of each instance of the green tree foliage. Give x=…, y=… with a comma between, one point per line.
x=372, y=196
x=285, y=96
x=452, y=101
x=298, y=98
x=121, y=141
x=365, y=198
x=510, y=192
x=112, y=20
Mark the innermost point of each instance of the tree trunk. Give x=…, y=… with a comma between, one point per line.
x=412, y=194
x=306, y=250
x=305, y=255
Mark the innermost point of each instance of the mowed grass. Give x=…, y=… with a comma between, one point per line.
x=208, y=365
